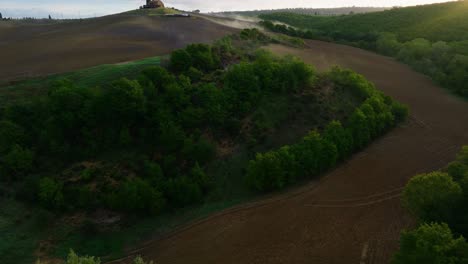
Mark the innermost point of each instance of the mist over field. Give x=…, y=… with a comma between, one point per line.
x=89, y=8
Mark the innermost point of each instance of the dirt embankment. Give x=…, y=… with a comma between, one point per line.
x=29, y=49
x=353, y=214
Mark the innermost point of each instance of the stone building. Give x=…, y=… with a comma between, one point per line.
x=153, y=4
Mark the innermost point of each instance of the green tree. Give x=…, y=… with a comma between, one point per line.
x=243, y=87
x=341, y=137
x=457, y=170
x=10, y=134
x=124, y=99
x=371, y=119
x=194, y=74
x=159, y=77
x=171, y=137
x=415, y=49
x=431, y=244
x=181, y=60
x=307, y=154
x=327, y=155
x=18, y=161
x=272, y=170
x=358, y=124
x=388, y=44
x=432, y=197
x=202, y=57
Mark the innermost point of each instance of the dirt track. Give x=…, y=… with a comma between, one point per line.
x=353, y=214
x=28, y=49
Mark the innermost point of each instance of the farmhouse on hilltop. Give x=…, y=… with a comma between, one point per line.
x=153, y=4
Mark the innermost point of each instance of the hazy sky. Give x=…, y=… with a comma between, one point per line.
x=87, y=8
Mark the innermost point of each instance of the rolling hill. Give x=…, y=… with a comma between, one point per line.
x=446, y=22
x=36, y=48
x=99, y=169
x=433, y=39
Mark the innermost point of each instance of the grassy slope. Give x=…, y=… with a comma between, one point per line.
x=447, y=22
x=93, y=76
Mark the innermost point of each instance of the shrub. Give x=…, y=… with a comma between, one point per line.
x=50, y=193
x=399, y=111
x=136, y=195
x=203, y=180
x=73, y=258
x=182, y=191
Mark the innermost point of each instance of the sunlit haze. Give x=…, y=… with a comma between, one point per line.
x=90, y=8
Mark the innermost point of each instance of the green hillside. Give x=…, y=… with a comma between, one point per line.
x=446, y=22
x=433, y=39
x=90, y=77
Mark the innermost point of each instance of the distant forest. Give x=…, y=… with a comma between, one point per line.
x=308, y=11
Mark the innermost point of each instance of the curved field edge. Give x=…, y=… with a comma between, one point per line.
x=112, y=240
x=386, y=165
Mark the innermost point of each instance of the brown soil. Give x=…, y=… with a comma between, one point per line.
x=351, y=215
x=40, y=49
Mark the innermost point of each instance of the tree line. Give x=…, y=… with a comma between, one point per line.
x=317, y=153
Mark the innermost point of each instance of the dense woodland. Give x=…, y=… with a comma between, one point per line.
x=433, y=39
x=439, y=201
x=145, y=146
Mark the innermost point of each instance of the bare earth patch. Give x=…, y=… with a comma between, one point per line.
x=42, y=49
